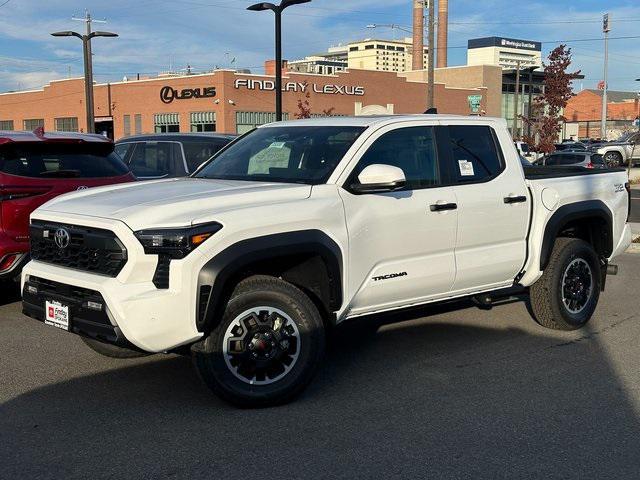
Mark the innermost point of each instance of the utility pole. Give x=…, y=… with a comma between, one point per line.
x=514, y=130
x=88, y=64
x=606, y=30
x=431, y=55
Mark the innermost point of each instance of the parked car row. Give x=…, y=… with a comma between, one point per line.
x=37, y=166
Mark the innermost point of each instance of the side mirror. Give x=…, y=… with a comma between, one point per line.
x=379, y=178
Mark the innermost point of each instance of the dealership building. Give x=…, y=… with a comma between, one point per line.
x=232, y=102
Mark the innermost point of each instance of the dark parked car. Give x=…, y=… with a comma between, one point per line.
x=36, y=167
x=574, y=146
x=574, y=159
x=164, y=155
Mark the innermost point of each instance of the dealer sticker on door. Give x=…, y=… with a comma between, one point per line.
x=466, y=168
x=56, y=314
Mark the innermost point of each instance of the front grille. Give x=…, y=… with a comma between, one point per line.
x=89, y=249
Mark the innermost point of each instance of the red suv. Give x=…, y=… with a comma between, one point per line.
x=34, y=168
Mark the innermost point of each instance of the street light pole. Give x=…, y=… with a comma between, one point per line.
x=277, y=10
x=88, y=65
x=605, y=104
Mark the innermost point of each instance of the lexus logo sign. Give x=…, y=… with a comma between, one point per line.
x=62, y=238
x=169, y=94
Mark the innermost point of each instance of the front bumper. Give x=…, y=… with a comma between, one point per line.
x=89, y=322
x=151, y=319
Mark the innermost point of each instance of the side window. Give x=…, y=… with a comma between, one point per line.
x=122, y=149
x=151, y=159
x=476, y=156
x=411, y=149
x=198, y=152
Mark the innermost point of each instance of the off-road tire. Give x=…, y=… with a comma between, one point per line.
x=546, y=294
x=112, y=351
x=258, y=291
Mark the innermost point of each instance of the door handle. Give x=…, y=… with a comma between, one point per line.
x=519, y=199
x=441, y=207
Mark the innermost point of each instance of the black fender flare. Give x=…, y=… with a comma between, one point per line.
x=569, y=213
x=216, y=272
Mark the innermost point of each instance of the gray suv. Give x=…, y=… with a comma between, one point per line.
x=164, y=155
x=574, y=159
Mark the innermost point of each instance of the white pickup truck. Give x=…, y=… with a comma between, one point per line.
x=301, y=225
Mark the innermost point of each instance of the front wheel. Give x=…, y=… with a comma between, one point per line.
x=266, y=348
x=567, y=294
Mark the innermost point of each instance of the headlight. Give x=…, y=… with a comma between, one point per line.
x=178, y=242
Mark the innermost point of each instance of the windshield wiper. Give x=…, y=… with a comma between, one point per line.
x=61, y=173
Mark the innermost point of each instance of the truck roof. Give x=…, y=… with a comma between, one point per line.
x=367, y=121
x=7, y=136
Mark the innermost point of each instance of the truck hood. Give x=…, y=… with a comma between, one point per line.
x=174, y=202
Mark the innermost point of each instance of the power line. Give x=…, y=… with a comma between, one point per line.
x=3, y=4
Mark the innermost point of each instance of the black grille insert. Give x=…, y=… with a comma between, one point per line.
x=89, y=249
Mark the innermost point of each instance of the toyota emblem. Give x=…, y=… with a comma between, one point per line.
x=62, y=238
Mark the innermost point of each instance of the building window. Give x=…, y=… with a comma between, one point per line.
x=127, y=125
x=203, y=121
x=138, y=123
x=246, y=121
x=166, y=123
x=354, y=49
x=369, y=47
x=32, y=124
x=66, y=124
x=6, y=124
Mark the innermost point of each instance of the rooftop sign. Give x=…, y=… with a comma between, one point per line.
x=505, y=43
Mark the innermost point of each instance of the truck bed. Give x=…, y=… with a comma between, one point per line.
x=535, y=172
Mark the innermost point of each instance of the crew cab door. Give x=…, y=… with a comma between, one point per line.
x=401, y=243
x=493, y=206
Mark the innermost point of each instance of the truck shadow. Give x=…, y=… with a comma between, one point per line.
x=447, y=395
x=9, y=292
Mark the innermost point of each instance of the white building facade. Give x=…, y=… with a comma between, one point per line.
x=504, y=52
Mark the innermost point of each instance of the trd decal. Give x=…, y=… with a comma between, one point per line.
x=390, y=276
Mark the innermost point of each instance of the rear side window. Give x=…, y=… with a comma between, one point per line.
x=49, y=160
x=123, y=148
x=411, y=149
x=555, y=160
x=151, y=159
x=476, y=157
x=196, y=153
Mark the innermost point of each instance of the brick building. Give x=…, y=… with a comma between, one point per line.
x=231, y=102
x=585, y=109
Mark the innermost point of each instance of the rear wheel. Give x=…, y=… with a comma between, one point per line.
x=112, y=351
x=567, y=294
x=267, y=346
x=613, y=159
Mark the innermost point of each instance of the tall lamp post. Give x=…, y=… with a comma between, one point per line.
x=277, y=9
x=88, y=67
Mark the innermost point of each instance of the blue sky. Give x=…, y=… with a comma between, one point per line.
x=155, y=34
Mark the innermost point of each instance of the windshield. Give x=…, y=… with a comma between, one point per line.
x=303, y=154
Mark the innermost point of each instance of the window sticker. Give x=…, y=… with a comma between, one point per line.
x=466, y=168
x=277, y=145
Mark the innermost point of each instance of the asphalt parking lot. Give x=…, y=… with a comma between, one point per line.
x=434, y=393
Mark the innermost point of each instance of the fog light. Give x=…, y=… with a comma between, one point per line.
x=94, y=306
x=32, y=289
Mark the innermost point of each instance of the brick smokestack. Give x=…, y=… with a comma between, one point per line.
x=443, y=32
x=418, y=35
